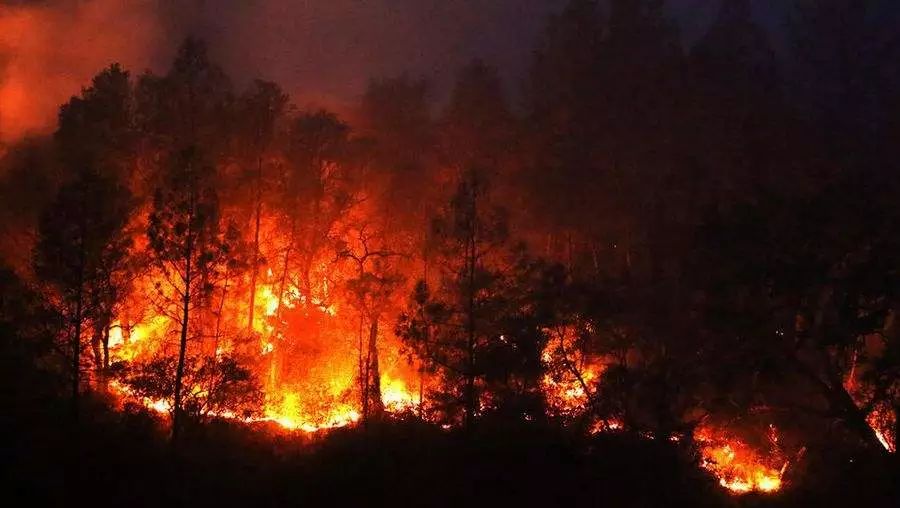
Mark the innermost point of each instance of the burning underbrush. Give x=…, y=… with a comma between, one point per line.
x=302, y=374
x=305, y=378
x=742, y=463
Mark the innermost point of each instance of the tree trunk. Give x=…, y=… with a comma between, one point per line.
x=182, y=348
x=854, y=418
x=185, y=314
x=76, y=352
x=106, y=350
x=469, y=394
x=839, y=400
x=100, y=345
x=255, y=270
x=96, y=345
x=284, y=267
x=571, y=367
x=421, y=391
x=219, y=315
x=361, y=368
x=76, y=339
x=375, y=406
x=274, y=371
x=896, y=435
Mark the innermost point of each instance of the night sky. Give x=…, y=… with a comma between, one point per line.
x=333, y=47
x=323, y=52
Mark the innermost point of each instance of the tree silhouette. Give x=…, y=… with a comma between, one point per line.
x=261, y=108
x=374, y=283
x=186, y=246
x=81, y=247
x=451, y=327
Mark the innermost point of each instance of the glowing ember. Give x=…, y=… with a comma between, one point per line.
x=289, y=413
x=570, y=375
x=606, y=426
x=738, y=466
x=882, y=419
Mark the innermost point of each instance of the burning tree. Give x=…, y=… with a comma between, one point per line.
x=314, y=194
x=187, y=248
x=260, y=110
x=216, y=386
x=374, y=284
x=451, y=327
x=81, y=250
x=83, y=247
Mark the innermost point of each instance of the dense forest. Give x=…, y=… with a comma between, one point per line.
x=647, y=275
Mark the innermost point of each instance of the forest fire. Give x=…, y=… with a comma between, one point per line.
x=654, y=262
x=738, y=466
x=318, y=397
x=570, y=376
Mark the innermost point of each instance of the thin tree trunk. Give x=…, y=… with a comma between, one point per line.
x=373, y=374
x=100, y=345
x=365, y=400
x=76, y=339
x=182, y=349
x=840, y=402
x=571, y=367
x=421, y=391
x=106, y=350
x=96, y=345
x=255, y=271
x=76, y=352
x=274, y=371
x=219, y=315
x=896, y=442
x=595, y=258
x=361, y=367
x=470, y=398
x=179, y=373
x=284, y=268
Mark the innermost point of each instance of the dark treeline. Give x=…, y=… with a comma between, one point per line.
x=717, y=226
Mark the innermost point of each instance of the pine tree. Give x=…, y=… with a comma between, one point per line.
x=186, y=246
x=82, y=246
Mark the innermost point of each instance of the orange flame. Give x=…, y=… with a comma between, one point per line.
x=738, y=466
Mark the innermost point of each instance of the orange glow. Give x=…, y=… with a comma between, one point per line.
x=882, y=420
x=141, y=339
x=395, y=395
x=738, y=466
x=567, y=395
x=569, y=373
x=48, y=51
x=303, y=350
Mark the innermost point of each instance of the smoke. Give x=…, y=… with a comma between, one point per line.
x=320, y=51
x=326, y=51
x=49, y=50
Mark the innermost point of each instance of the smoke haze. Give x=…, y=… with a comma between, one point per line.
x=321, y=51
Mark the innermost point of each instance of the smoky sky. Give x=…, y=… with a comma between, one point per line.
x=329, y=49
x=321, y=51
x=333, y=47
